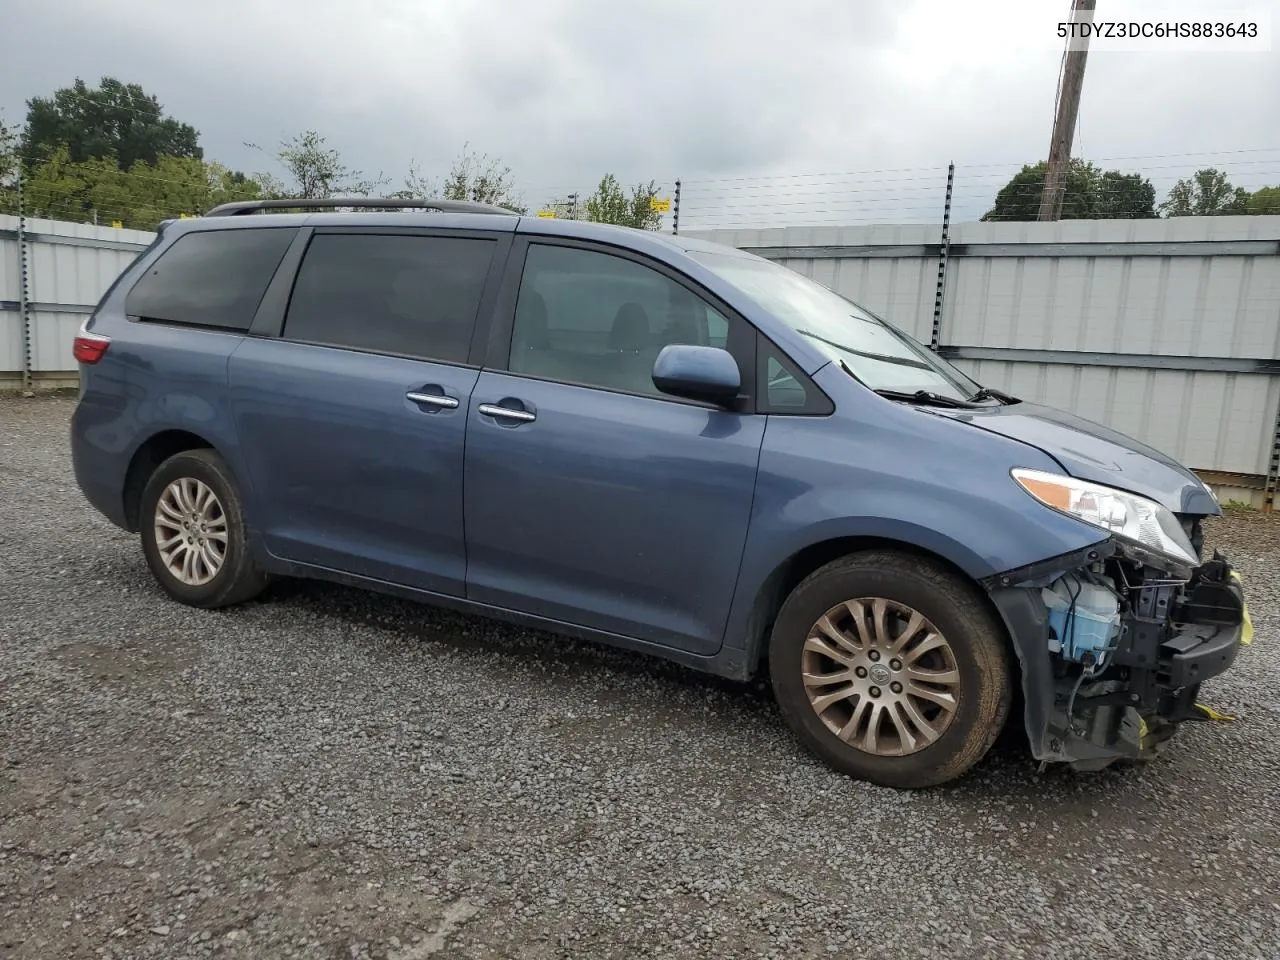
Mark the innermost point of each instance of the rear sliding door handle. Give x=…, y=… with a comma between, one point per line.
x=433, y=400
x=506, y=413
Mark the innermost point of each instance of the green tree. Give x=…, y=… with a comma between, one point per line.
x=178, y=185
x=1207, y=193
x=1124, y=196
x=114, y=119
x=59, y=187
x=97, y=190
x=8, y=169
x=417, y=186
x=479, y=178
x=610, y=204
x=317, y=171
x=1264, y=201
x=1019, y=199
x=8, y=153
x=1090, y=193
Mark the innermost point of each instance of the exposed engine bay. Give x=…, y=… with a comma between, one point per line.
x=1115, y=642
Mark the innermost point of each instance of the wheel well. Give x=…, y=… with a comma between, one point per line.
x=788, y=575
x=150, y=455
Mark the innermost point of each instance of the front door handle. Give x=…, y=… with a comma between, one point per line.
x=433, y=400
x=506, y=413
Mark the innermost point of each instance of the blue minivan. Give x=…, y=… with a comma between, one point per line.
x=659, y=443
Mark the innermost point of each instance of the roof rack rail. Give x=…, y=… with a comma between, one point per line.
x=443, y=206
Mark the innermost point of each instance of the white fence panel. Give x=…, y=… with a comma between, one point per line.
x=69, y=267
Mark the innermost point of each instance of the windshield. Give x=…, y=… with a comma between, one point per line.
x=880, y=355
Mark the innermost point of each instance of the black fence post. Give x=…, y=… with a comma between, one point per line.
x=1273, y=469
x=675, y=212
x=24, y=290
x=935, y=339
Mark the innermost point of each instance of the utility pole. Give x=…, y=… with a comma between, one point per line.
x=1064, y=119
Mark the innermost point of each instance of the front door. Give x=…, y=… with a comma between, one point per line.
x=353, y=421
x=591, y=498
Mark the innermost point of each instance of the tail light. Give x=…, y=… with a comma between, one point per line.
x=89, y=347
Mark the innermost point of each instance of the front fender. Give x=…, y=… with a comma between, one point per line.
x=896, y=476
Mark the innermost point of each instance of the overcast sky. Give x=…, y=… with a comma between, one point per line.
x=821, y=110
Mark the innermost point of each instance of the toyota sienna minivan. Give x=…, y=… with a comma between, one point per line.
x=654, y=442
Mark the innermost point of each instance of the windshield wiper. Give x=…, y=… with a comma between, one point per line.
x=990, y=393
x=881, y=357
x=911, y=396
x=924, y=396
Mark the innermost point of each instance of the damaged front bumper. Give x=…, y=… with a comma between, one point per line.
x=1167, y=630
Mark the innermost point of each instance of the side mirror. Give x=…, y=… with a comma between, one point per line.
x=708, y=374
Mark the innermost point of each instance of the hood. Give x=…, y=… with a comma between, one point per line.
x=1090, y=451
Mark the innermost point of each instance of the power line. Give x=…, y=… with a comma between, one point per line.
x=988, y=165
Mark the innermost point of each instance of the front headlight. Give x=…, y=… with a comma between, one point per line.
x=1134, y=518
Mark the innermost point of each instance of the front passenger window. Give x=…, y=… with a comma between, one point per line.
x=600, y=320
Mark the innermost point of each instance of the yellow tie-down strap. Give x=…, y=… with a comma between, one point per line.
x=1246, y=638
x=1211, y=714
x=1246, y=634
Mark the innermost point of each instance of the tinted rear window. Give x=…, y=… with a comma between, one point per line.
x=212, y=278
x=406, y=295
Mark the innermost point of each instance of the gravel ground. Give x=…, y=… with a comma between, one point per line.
x=328, y=773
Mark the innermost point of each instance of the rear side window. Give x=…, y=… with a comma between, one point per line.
x=406, y=295
x=211, y=278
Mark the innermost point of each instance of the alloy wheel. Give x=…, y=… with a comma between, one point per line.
x=191, y=531
x=880, y=676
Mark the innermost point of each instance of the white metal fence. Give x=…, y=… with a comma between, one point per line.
x=48, y=285
x=1167, y=330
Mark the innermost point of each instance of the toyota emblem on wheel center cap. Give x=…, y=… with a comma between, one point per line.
x=880, y=674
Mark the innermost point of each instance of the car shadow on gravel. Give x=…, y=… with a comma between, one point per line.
x=540, y=657
x=467, y=633
x=1008, y=761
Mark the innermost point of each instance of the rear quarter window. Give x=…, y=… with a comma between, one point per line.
x=210, y=278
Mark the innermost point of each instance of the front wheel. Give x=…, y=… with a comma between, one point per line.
x=193, y=532
x=891, y=669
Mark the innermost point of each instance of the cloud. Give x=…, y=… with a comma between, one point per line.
x=713, y=91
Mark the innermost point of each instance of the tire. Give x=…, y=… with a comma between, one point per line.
x=918, y=741
x=235, y=577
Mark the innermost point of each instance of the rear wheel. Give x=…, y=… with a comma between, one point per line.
x=193, y=532
x=889, y=668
